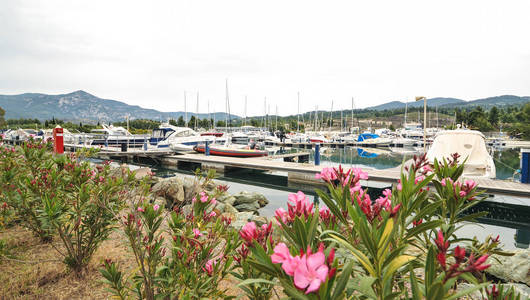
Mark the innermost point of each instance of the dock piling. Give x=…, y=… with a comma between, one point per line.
x=525, y=165
x=207, y=149
x=317, y=154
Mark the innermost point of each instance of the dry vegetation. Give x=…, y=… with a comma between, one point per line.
x=32, y=271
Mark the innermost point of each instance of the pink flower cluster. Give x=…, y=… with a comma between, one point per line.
x=298, y=205
x=250, y=233
x=209, y=266
x=204, y=198
x=309, y=270
x=373, y=211
x=473, y=265
x=350, y=177
x=326, y=216
x=327, y=174
x=461, y=190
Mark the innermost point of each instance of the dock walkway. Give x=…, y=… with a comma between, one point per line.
x=305, y=173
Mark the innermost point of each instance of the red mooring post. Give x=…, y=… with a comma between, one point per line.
x=58, y=142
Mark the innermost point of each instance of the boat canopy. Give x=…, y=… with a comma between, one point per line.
x=366, y=136
x=469, y=144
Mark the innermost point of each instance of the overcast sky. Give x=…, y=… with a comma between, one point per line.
x=148, y=53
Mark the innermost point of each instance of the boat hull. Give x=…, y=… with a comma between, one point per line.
x=231, y=152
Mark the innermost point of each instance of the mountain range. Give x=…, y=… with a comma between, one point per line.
x=82, y=106
x=486, y=103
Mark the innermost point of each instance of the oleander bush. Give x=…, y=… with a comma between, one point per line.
x=63, y=196
x=179, y=255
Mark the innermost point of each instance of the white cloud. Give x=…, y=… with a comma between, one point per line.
x=149, y=53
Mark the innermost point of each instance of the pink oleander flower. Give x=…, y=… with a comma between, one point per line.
x=208, y=267
x=282, y=256
x=311, y=271
x=299, y=204
x=399, y=186
x=204, y=197
x=249, y=232
x=385, y=201
x=140, y=209
x=325, y=214
x=212, y=214
x=327, y=174
x=197, y=232
x=156, y=207
x=359, y=174
x=445, y=181
x=441, y=243
x=419, y=179
x=281, y=215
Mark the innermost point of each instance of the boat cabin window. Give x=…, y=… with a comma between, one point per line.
x=184, y=133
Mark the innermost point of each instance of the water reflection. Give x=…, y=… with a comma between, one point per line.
x=507, y=161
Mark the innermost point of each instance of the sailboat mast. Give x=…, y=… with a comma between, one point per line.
x=197, y=112
x=341, y=121
x=265, y=113
x=209, y=115
x=228, y=104
x=316, y=117
x=185, y=111
x=437, y=117
x=276, y=126
x=352, y=124
x=298, y=114
x=245, y=110
x=406, y=104
x=331, y=117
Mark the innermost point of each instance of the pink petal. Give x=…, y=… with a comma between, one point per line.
x=290, y=265
x=315, y=260
x=314, y=286
x=281, y=253
x=301, y=276
x=322, y=273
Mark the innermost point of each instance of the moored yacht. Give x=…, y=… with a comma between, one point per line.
x=470, y=145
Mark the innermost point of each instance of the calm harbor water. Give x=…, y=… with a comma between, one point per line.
x=507, y=161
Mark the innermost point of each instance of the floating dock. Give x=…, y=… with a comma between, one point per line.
x=305, y=173
x=299, y=172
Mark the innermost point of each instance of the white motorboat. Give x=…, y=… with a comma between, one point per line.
x=373, y=139
x=470, y=145
x=181, y=139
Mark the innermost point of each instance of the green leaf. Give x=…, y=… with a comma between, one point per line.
x=468, y=291
x=395, y=264
x=342, y=280
x=365, y=286
x=254, y=281
x=416, y=293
